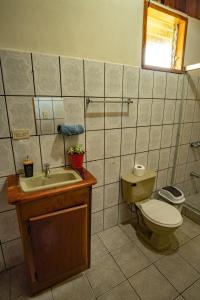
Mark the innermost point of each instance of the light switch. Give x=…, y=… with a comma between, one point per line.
x=20, y=134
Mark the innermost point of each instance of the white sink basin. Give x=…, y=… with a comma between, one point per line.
x=58, y=177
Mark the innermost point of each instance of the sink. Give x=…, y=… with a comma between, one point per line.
x=58, y=177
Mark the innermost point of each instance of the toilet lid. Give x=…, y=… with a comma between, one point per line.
x=161, y=213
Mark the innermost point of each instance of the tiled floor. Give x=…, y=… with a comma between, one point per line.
x=124, y=268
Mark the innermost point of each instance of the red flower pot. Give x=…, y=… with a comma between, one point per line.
x=76, y=160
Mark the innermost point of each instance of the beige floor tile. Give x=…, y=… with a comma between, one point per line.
x=179, y=298
x=193, y=292
x=129, y=230
x=191, y=253
x=113, y=238
x=18, y=282
x=4, y=285
x=46, y=295
x=104, y=275
x=97, y=247
x=177, y=271
x=190, y=228
x=77, y=288
x=130, y=259
x=151, y=285
x=124, y=291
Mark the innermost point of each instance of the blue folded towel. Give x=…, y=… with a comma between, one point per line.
x=70, y=129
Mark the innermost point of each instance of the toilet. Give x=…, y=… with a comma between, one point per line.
x=157, y=220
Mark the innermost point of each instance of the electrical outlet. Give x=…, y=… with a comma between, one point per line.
x=45, y=114
x=20, y=134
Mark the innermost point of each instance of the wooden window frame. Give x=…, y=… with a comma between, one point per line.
x=183, y=38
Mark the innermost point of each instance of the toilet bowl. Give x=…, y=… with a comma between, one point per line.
x=157, y=220
x=161, y=219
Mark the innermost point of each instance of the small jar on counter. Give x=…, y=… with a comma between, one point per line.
x=28, y=167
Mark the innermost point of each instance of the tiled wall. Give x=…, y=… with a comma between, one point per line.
x=188, y=158
x=117, y=134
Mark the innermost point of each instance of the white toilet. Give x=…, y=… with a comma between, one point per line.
x=157, y=220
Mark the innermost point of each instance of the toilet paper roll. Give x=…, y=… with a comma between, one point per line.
x=139, y=170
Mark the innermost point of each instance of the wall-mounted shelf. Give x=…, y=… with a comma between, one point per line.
x=88, y=101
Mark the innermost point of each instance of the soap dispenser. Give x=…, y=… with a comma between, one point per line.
x=28, y=167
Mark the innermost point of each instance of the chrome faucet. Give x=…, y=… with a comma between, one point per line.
x=46, y=170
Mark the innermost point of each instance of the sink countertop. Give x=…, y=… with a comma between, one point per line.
x=17, y=196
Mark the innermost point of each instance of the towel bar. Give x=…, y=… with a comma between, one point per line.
x=88, y=101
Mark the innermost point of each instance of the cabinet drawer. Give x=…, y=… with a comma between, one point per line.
x=52, y=204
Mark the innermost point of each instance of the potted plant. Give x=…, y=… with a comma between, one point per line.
x=75, y=156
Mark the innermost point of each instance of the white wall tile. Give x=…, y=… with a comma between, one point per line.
x=97, y=169
x=110, y=217
x=180, y=86
x=97, y=199
x=95, y=145
x=166, y=139
x=142, y=141
x=144, y=112
x=189, y=111
x=153, y=160
x=4, y=128
x=128, y=141
x=180, y=173
x=124, y=213
x=159, y=85
x=161, y=178
x=129, y=117
x=46, y=75
x=177, y=111
x=112, y=169
x=29, y=147
x=155, y=137
x=95, y=115
x=127, y=164
x=97, y=222
x=185, y=133
x=183, y=154
x=94, y=78
x=52, y=148
x=8, y=230
x=1, y=85
x=111, y=194
x=74, y=110
x=21, y=113
x=113, y=80
x=171, y=88
x=192, y=87
x=112, y=142
x=164, y=158
x=130, y=81
x=171, y=158
x=72, y=76
x=157, y=112
x=17, y=73
x=141, y=158
x=13, y=253
x=169, y=111
x=6, y=158
x=3, y=195
x=174, y=134
x=113, y=114
x=146, y=84
x=197, y=111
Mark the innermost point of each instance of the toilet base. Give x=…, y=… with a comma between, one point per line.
x=160, y=240
x=157, y=242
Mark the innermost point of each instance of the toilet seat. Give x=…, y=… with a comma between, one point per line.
x=160, y=213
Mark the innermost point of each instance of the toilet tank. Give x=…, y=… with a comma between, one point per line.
x=138, y=188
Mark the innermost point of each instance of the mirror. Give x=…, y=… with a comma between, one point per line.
x=49, y=113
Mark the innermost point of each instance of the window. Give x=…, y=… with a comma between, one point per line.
x=164, y=35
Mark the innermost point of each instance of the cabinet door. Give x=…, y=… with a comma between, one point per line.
x=59, y=242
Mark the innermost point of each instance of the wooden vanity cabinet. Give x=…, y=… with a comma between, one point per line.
x=55, y=231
